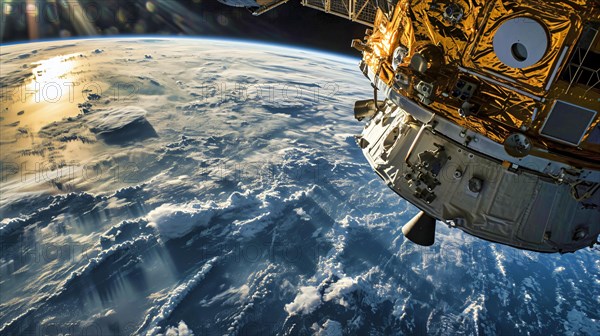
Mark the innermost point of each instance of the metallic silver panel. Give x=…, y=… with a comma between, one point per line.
x=513, y=206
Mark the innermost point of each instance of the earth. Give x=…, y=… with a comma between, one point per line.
x=209, y=187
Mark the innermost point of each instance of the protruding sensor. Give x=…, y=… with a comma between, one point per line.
x=366, y=108
x=520, y=42
x=453, y=13
x=517, y=145
x=420, y=230
x=399, y=54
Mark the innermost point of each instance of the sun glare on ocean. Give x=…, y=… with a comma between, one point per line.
x=51, y=93
x=52, y=76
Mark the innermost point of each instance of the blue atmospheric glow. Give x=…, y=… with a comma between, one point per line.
x=212, y=39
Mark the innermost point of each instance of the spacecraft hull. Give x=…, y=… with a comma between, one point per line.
x=488, y=125
x=472, y=191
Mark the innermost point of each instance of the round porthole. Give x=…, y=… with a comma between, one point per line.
x=520, y=42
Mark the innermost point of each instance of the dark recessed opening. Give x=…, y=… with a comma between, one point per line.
x=519, y=52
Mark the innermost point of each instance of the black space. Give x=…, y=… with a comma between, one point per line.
x=290, y=24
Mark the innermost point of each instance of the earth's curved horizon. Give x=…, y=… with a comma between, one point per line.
x=214, y=187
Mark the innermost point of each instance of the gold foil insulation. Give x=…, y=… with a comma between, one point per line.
x=507, y=99
x=562, y=27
